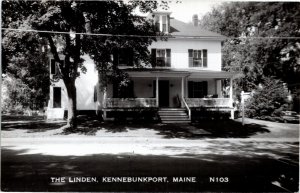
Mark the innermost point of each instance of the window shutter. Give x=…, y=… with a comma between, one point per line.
x=52, y=66
x=204, y=58
x=130, y=57
x=153, y=57
x=190, y=89
x=168, y=62
x=190, y=58
x=95, y=93
x=204, y=83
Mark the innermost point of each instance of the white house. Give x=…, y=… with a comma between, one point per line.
x=185, y=76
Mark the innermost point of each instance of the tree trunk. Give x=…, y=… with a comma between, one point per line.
x=72, y=106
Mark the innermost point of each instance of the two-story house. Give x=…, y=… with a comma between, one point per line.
x=185, y=76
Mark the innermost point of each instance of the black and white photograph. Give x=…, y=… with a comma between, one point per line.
x=150, y=96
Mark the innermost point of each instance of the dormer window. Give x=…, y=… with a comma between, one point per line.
x=162, y=22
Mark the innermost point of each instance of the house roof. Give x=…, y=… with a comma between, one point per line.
x=181, y=29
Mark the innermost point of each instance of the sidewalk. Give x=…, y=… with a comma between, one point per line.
x=255, y=158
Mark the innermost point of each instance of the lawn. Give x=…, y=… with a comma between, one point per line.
x=31, y=126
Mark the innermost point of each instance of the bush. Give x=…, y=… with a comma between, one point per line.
x=269, y=99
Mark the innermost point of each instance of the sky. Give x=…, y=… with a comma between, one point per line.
x=187, y=8
x=184, y=10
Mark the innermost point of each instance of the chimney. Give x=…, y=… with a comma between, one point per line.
x=195, y=20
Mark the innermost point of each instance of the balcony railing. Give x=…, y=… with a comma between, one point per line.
x=130, y=102
x=208, y=102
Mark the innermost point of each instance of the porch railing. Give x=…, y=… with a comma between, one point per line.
x=208, y=102
x=187, y=108
x=130, y=102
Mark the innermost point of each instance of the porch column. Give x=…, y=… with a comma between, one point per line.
x=216, y=86
x=230, y=100
x=182, y=90
x=104, y=103
x=156, y=92
x=182, y=87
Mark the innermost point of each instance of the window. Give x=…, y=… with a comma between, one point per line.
x=123, y=91
x=197, y=89
x=161, y=57
x=197, y=58
x=56, y=97
x=123, y=57
x=156, y=21
x=162, y=23
x=53, y=66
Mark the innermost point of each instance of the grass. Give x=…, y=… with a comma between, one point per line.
x=89, y=125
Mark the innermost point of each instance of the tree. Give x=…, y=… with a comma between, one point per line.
x=269, y=98
x=249, y=49
x=74, y=19
x=26, y=63
x=15, y=95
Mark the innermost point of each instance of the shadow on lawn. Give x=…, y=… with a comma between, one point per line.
x=31, y=127
x=231, y=128
x=204, y=129
x=89, y=125
x=30, y=123
x=32, y=172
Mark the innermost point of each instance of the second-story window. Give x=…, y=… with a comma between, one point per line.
x=197, y=58
x=123, y=57
x=157, y=24
x=161, y=57
x=53, y=66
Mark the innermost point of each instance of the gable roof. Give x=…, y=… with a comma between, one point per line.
x=181, y=29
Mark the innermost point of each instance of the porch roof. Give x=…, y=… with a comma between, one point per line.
x=183, y=72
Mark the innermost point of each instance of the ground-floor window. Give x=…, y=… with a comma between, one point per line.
x=56, y=97
x=197, y=89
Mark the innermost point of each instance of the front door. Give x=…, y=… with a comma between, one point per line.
x=163, y=91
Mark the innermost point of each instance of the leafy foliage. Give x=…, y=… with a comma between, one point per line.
x=15, y=95
x=268, y=99
x=27, y=64
x=250, y=49
x=75, y=18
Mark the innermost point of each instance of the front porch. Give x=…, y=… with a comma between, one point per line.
x=178, y=89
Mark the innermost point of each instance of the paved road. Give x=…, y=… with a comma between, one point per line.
x=216, y=164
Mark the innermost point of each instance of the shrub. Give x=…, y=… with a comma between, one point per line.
x=269, y=99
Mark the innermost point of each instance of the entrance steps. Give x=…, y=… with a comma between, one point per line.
x=173, y=115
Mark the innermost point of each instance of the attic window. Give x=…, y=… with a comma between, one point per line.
x=162, y=23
